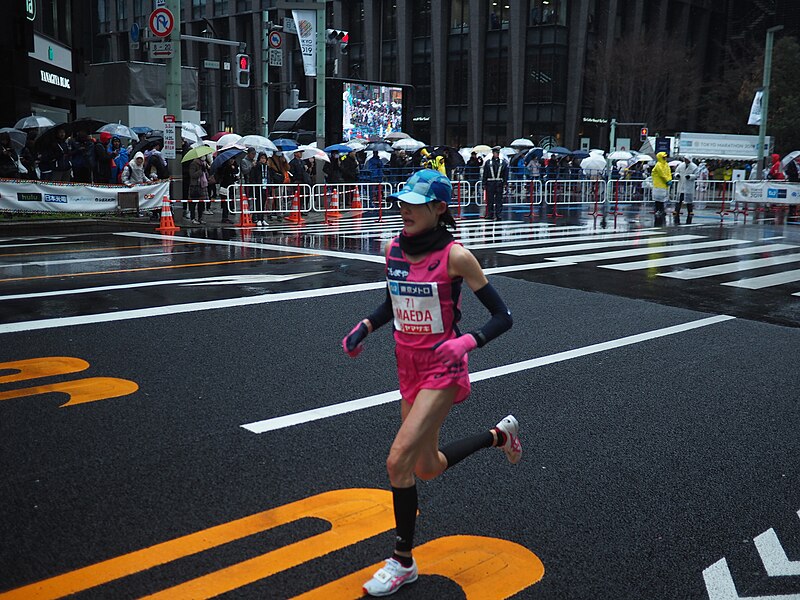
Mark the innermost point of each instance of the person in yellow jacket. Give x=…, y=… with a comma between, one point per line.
x=433, y=162
x=662, y=180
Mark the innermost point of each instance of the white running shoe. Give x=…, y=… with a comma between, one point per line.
x=390, y=578
x=512, y=447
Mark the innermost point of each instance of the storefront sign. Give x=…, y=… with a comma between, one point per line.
x=30, y=10
x=51, y=80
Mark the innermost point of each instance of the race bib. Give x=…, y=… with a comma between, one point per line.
x=416, y=307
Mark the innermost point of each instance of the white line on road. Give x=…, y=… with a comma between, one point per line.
x=702, y=257
x=324, y=412
x=2, y=246
x=220, y=280
x=773, y=556
x=757, y=283
x=173, y=309
x=374, y=258
x=598, y=256
x=70, y=261
x=598, y=245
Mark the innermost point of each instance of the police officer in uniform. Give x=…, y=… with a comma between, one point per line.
x=495, y=181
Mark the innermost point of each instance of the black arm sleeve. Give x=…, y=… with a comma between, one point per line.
x=383, y=314
x=501, y=317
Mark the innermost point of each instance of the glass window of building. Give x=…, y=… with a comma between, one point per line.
x=422, y=18
x=243, y=6
x=220, y=8
x=548, y=12
x=56, y=21
x=499, y=11
x=198, y=9
x=122, y=14
x=103, y=16
x=459, y=16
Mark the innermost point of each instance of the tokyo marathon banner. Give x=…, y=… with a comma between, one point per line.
x=39, y=196
x=768, y=192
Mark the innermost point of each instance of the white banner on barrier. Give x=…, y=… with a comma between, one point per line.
x=768, y=192
x=40, y=196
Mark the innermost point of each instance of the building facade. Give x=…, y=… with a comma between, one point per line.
x=483, y=71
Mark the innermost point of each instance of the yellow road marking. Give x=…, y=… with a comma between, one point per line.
x=106, y=249
x=354, y=515
x=79, y=391
x=33, y=368
x=485, y=568
x=221, y=262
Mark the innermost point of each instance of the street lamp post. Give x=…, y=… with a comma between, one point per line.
x=762, y=128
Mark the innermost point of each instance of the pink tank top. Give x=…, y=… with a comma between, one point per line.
x=426, y=301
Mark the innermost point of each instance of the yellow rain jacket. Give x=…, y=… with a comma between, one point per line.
x=661, y=173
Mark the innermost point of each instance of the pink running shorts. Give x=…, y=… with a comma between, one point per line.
x=419, y=369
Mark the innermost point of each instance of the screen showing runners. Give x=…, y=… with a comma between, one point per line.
x=371, y=110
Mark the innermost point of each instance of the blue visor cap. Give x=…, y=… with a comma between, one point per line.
x=425, y=186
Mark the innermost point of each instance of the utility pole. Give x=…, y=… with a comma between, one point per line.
x=174, y=99
x=321, y=58
x=267, y=26
x=762, y=128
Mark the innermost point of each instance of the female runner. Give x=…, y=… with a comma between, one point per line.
x=425, y=269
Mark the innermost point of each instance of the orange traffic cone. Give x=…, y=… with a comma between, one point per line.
x=334, y=210
x=245, y=220
x=294, y=216
x=167, y=224
x=356, y=206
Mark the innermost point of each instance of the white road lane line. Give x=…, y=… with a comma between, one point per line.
x=223, y=279
x=704, y=256
x=575, y=237
x=374, y=258
x=757, y=283
x=172, y=309
x=598, y=256
x=325, y=412
x=71, y=261
x=773, y=556
x=2, y=246
x=596, y=245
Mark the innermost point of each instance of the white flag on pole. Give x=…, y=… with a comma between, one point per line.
x=306, y=23
x=755, y=109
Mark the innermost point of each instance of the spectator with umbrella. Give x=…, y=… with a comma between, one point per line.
x=55, y=163
x=8, y=158
x=104, y=159
x=119, y=157
x=227, y=175
x=81, y=152
x=198, y=189
x=261, y=177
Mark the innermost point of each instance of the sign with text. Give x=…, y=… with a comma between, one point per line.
x=721, y=145
x=161, y=50
x=275, y=57
x=169, y=137
x=306, y=24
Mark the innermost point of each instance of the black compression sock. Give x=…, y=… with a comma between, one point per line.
x=406, y=561
x=457, y=451
x=405, y=516
x=501, y=437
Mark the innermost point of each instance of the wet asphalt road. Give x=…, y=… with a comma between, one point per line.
x=658, y=414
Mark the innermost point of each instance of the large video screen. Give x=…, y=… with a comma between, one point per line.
x=371, y=110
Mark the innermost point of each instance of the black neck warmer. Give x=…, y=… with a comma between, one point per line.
x=433, y=239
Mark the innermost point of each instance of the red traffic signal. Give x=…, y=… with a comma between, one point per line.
x=242, y=75
x=643, y=134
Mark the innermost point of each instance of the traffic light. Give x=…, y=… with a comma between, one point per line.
x=243, y=70
x=643, y=134
x=338, y=35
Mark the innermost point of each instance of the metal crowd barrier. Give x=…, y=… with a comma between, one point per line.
x=270, y=200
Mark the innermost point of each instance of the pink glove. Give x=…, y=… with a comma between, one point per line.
x=451, y=351
x=353, y=342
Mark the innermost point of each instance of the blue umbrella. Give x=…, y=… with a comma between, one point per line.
x=559, y=150
x=339, y=148
x=142, y=129
x=533, y=153
x=224, y=157
x=285, y=144
x=580, y=154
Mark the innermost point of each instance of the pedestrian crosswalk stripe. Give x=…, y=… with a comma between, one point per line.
x=595, y=245
x=702, y=257
x=599, y=256
x=734, y=267
x=757, y=283
x=565, y=238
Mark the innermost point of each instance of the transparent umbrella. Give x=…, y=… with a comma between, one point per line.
x=17, y=137
x=196, y=129
x=229, y=139
x=620, y=155
x=33, y=122
x=397, y=135
x=120, y=131
x=408, y=144
x=259, y=142
x=521, y=143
